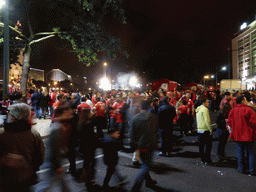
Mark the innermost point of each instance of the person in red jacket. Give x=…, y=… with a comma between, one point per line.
x=82, y=106
x=100, y=121
x=242, y=120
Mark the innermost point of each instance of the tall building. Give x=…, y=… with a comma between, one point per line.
x=244, y=55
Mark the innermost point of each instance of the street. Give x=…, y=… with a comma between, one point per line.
x=181, y=172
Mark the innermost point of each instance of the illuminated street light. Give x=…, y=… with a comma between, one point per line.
x=104, y=84
x=206, y=77
x=224, y=68
x=133, y=81
x=71, y=83
x=55, y=83
x=212, y=76
x=243, y=26
x=105, y=64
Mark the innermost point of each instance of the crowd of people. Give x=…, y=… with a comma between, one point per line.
x=102, y=119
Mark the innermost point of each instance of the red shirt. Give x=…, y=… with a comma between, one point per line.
x=183, y=109
x=53, y=98
x=190, y=104
x=173, y=101
x=82, y=106
x=93, y=99
x=118, y=108
x=56, y=104
x=100, y=109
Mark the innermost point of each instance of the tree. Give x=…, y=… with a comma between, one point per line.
x=77, y=21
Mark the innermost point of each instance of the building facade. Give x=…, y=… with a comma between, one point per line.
x=244, y=55
x=57, y=75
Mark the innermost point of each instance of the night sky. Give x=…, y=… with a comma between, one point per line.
x=181, y=40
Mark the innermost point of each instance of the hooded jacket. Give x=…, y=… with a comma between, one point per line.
x=242, y=120
x=203, y=119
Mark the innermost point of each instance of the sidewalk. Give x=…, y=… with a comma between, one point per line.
x=43, y=127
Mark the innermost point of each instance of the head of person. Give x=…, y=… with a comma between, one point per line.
x=86, y=115
x=83, y=99
x=188, y=95
x=247, y=95
x=226, y=108
x=166, y=100
x=114, y=133
x=184, y=102
x=205, y=102
x=145, y=104
x=118, y=98
x=64, y=113
x=241, y=100
x=73, y=95
x=156, y=101
x=227, y=95
x=87, y=97
x=18, y=112
x=60, y=97
x=97, y=99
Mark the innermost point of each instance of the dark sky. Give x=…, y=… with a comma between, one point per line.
x=181, y=40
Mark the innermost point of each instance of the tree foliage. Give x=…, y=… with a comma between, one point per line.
x=77, y=21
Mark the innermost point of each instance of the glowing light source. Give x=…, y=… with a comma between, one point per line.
x=243, y=26
x=104, y=84
x=212, y=76
x=206, y=77
x=133, y=81
x=224, y=68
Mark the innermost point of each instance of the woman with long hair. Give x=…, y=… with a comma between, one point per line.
x=222, y=130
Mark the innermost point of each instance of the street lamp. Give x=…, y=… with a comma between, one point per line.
x=105, y=69
x=6, y=60
x=205, y=77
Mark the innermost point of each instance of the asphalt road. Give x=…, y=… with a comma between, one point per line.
x=181, y=172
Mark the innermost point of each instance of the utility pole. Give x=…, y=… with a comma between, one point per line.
x=6, y=60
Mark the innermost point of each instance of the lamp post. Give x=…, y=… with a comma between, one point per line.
x=205, y=77
x=224, y=68
x=6, y=56
x=105, y=69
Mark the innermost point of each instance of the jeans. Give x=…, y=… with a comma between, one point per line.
x=121, y=128
x=44, y=109
x=205, y=146
x=51, y=110
x=223, y=138
x=112, y=123
x=37, y=111
x=100, y=124
x=241, y=148
x=160, y=133
x=146, y=158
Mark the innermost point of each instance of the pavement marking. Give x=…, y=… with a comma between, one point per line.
x=67, y=164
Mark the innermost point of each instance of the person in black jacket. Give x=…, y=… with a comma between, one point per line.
x=88, y=145
x=222, y=130
x=111, y=146
x=43, y=103
x=166, y=114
